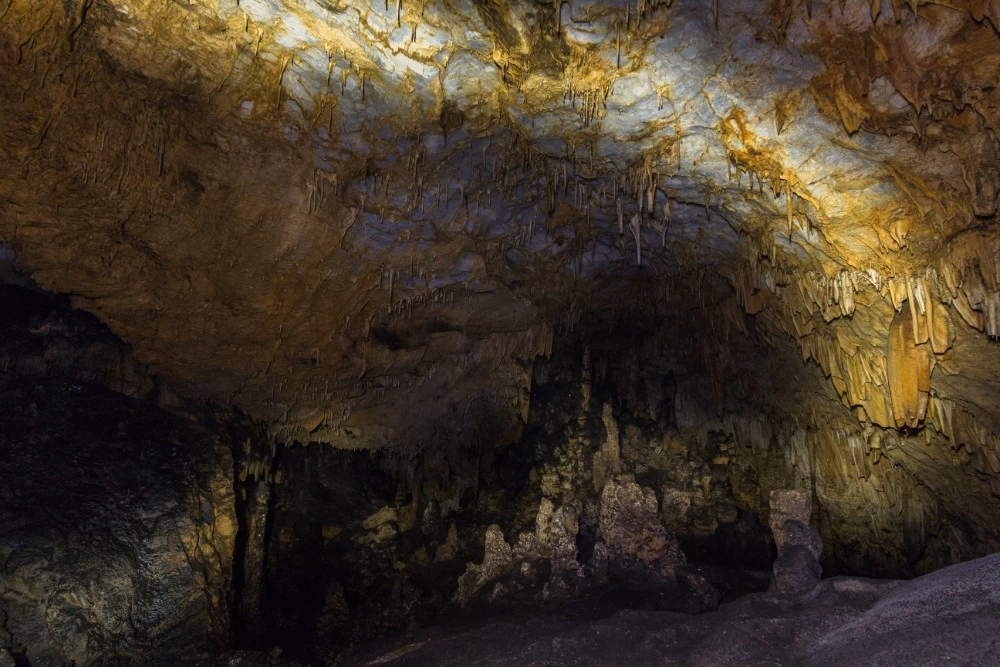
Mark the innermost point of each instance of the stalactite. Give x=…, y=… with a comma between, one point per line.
x=635, y=226
x=909, y=365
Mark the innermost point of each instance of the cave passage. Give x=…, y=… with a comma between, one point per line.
x=515, y=332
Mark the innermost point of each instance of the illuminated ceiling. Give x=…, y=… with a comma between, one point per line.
x=361, y=222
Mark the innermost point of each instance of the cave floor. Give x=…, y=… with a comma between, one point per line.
x=951, y=616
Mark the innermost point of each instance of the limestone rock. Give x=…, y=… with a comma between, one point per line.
x=787, y=504
x=449, y=549
x=596, y=568
x=798, y=534
x=383, y=516
x=543, y=521
x=677, y=507
x=909, y=371
x=795, y=571
x=251, y=659
x=333, y=619
x=497, y=561
x=607, y=460
x=565, y=526
x=630, y=526
x=700, y=594
x=945, y=617
x=124, y=510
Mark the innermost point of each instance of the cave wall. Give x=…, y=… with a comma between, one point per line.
x=221, y=534
x=709, y=436
x=888, y=501
x=483, y=283
x=118, y=516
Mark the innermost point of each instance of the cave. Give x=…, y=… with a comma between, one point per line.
x=447, y=332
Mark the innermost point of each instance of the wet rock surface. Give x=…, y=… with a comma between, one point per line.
x=950, y=615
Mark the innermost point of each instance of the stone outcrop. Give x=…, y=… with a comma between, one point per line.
x=787, y=504
x=118, y=518
x=797, y=567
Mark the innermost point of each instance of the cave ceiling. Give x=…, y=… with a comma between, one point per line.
x=361, y=221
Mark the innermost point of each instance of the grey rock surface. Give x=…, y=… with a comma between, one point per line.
x=798, y=534
x=795, y=571
x=951, y=616
x=788, y=504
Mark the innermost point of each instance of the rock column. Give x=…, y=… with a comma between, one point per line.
x=797, y=567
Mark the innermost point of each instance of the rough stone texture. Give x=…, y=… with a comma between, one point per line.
x=630, y=526
x=946, y=617
x=497, y=561
x=363, y=223
x=118, y=528
x=41, y=335
x=333, y=618
x=701, y=595
x=797, y=567
x=565, y=526
x=118, y=518
x=249, y=659
x=796, y=570
x=334, y=149
x=798, y=534
x=787, y=504
x=607, y=460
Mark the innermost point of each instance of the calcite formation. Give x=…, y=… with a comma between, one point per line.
x=320, y=211
x=119, y=518
x=908, y=369
x=764, y=232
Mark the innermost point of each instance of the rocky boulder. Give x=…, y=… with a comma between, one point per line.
x=497, y=561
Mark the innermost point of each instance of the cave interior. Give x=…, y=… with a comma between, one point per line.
x=447, y=332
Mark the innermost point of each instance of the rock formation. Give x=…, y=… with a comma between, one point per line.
x=361, y=292
x=797, y=568
x=119, y=521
